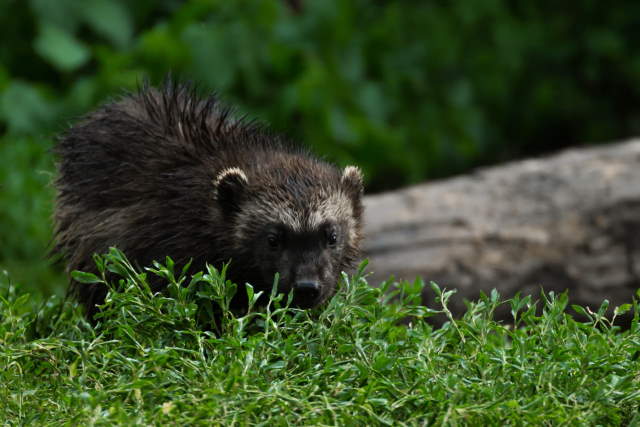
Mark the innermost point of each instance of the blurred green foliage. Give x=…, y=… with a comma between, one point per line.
x=408, y=90
x=25, y=208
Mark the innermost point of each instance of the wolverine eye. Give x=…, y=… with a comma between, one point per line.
x=332, y=238
x=273, y=241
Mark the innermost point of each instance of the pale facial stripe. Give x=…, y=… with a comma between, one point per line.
x=335, y=206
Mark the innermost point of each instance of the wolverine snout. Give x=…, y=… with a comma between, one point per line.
x=306, y=292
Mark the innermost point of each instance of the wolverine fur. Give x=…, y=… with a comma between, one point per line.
x=163, y=172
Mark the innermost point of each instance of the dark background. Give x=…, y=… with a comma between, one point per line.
x=409, y=90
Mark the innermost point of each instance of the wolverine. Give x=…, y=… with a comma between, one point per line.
x=164, y=172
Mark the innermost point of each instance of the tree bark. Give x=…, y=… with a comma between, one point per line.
x=569, y=221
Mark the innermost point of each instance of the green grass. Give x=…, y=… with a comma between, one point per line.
x=159, y=360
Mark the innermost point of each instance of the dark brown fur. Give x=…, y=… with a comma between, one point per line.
x=164, y=173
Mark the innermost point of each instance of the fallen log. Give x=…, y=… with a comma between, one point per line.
x=569, y=221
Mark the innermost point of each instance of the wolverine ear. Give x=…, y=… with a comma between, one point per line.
x=352, y=181
x=229, y=186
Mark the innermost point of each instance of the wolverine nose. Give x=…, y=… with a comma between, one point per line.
x=307, y=290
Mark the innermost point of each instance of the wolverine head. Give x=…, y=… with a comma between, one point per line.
x=296, y=217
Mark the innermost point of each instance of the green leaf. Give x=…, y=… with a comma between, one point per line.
x=60, y=48
x=109, y=19
x=24, y=108
x=61, y=13
x=603, y=307
x=83, y=277
x=624, y=308
x=580, y=310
